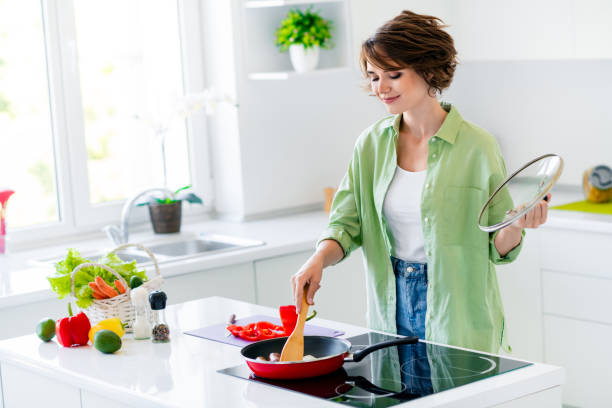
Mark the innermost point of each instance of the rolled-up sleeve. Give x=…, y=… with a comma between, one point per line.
x=497, y=210
x=344, y=221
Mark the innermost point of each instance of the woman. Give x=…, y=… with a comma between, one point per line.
x=411, y=198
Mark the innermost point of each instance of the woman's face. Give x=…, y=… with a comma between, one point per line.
x=400, y=91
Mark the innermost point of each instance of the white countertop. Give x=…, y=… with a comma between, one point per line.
x=575, y=220
x=21, y=282
x=183, y=373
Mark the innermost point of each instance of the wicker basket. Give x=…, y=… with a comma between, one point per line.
x=121, y=305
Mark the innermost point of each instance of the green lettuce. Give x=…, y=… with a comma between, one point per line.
x=60, y=281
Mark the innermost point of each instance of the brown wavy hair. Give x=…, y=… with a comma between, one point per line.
x=414, y=41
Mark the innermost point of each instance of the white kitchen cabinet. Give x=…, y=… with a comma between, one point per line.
x=24, y=388
x=520, y=286
x=233, y=281
x=577, y=297
x=576, y=287
x=550, y=398
x=342, y=295
x=93, y=400
x=583, y=349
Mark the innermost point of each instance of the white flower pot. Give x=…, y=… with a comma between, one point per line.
x=303, y=60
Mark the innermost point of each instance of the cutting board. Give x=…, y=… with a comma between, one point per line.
x=586, y=206
x=217, y=332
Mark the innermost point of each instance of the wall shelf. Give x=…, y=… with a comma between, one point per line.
x=262, y=59
x=285, y=75
x=281, y=3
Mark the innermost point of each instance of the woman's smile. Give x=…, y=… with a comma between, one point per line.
x=390, y=100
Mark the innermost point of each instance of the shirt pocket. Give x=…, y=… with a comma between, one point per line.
x=460, y=209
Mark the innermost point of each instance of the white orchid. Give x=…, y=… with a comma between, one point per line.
x=208, y=100
x=166, y=112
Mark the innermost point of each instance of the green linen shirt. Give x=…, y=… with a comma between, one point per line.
x=464, y=166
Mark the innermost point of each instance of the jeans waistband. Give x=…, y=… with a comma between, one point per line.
x=408, y=268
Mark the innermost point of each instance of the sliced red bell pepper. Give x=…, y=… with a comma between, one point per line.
x=265, y=330
x=257, y=331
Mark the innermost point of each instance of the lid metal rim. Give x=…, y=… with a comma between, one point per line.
x=505, y=223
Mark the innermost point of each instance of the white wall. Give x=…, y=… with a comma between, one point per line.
x=532, y=30
x=367, y=15
x=536, y=107
x=532, y=73
x=536, y=75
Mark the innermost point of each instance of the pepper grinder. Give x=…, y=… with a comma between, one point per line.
x=160, y=332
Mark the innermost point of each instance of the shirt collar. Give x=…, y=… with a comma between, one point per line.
x=447, y=132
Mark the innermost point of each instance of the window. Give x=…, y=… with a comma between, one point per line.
x=90, y=96
x=130, y=80
x=27, y=162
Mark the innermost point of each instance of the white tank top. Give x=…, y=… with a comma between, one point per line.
x=402, y=212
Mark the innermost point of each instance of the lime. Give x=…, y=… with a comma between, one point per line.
x=45, y=329
x=107, y=341
x=135, y=281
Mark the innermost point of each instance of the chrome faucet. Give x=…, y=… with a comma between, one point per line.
x=120, y=234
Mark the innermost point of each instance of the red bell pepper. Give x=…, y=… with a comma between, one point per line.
x=289, y=317
x=73, y=330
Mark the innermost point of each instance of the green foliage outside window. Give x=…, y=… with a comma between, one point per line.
x=304, y=27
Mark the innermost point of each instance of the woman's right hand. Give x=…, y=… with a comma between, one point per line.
x=310, y=273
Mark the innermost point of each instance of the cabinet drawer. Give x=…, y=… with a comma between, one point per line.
x=580, y=297
x=583, y=349
x=586, y=253
x=18, y=384
x=342, y=296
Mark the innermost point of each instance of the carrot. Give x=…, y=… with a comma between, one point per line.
x=98, y=294
x=105, y=288
x=119, y=286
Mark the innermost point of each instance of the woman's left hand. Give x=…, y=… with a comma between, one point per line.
x=510, y=236
x=536, y=217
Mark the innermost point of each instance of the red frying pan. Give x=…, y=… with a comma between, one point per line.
x=330, y=354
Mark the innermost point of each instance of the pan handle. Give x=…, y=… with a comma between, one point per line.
x=360, y=355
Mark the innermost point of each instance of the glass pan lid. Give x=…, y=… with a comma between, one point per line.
x=526, y=187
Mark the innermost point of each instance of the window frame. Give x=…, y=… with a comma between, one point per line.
x=75, y=212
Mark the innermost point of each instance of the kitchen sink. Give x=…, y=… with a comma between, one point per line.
x=127, y=257
x=172, y=249
x=139, y=256
x=204, y=244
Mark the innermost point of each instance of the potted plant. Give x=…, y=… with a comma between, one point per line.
x=303, y=33
x=166, y=212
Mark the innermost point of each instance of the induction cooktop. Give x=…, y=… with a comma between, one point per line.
x=394, y=375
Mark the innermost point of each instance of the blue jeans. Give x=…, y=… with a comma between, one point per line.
x=411, y=292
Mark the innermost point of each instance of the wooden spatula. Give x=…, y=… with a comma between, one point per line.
x=293, y=350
